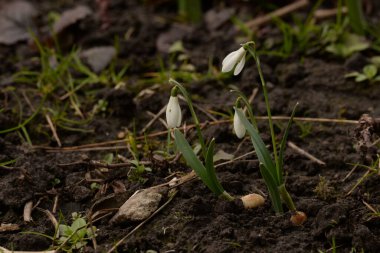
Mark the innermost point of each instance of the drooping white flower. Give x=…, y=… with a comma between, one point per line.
x=239, y=128
x=173, y=113
x=235, y=59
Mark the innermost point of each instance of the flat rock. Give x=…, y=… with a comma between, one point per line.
x=140, y=205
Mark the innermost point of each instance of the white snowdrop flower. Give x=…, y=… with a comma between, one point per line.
x=173, y=113
x=239, y=128
x=235, y=59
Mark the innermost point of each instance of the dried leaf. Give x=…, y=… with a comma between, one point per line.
x=98, y=57
x=15, y=21
x=221, y=155
x=70, y=17
x=5, y=227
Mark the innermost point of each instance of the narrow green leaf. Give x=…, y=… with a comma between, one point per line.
x=283, y=145
x=259, y=146
x=211, y=169
x=272, y=188
x=192, y=160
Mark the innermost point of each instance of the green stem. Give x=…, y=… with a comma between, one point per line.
x=248, y=106
x=227, y=196
x=285, y=196
x=250, y=46
x=193, y=114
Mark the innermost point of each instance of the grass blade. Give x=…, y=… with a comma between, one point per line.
x=283, y=145
x=272, y=189
x=211, y=169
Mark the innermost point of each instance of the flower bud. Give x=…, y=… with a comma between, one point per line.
x=239, y=128
x=173, y=113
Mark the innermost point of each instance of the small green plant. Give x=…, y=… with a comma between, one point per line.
x=271, y=170
x=338, y=39
x=73, y=238
x=206, y=170
x=369, y=73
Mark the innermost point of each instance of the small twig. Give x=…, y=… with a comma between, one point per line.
x=235, y=159
x=201, y=109
x=327, y=13
x=305, y=153
x=99, y=146
x=56, y=197
x=4, y=250
x=28, y=211
x=251, y=98
x=98, y=164
x=277, y=13
x=50, y=216
x=157, y=116
x=53, y=130
x=141, y=224
x=350, y=173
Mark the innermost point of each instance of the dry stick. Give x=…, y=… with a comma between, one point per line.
x=251, y=98
x=328, y=13
x=156, y=116
x=305, y=153
x=277, y=13
x=56, y=197
x=350, y=173
x=50, y=216
x=141, y=224
x=53, y=130
x=160, y=133
x=4, y=250
x=200, y=109
x=28, y=211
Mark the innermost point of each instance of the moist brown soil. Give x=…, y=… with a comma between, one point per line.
x=195, y=220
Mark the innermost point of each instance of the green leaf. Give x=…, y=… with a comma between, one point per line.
x=192, y=160
x=361, y=78
x=272, y=188
x=211, y=169
x=283, y=145
x=78, y=223
x=352, y=74
x=370, y=71
x=259, y=146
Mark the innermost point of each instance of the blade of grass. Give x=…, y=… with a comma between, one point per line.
x=272, y=189
x=283, y=145
x=211, y=169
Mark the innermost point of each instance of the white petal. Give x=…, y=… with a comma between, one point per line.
x=239, y=66
x=238, y=127
x=231, y=59
x=173, y=113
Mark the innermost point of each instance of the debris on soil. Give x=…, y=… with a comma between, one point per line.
x=140, y=205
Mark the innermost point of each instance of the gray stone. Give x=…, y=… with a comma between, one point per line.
x=140, y=205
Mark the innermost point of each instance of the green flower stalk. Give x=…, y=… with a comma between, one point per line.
x=271, y=170
x=206, y=169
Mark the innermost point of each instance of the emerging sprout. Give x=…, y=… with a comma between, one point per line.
x=252, y=200
x=235, y=59
x=239, y=128
x=173, y=110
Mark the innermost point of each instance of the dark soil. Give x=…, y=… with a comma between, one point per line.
x=195, y=220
